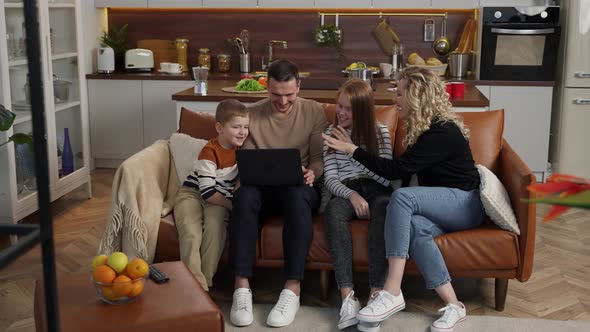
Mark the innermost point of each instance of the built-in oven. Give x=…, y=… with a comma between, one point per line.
x=519, y=43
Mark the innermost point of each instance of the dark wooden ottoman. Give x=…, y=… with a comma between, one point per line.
x=181, y=304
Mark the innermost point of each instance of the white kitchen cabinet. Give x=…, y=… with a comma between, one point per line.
x=116, y=120
x=286, y=3
x=175, y=3
x=455, y=4
x=65, y=101
x=569, y=147
x=121, y=3
x=129, y=115
x=527, y=121
x=343, y=3
x=159, y=110
x=230, y=3
x=402, y=3
x=515, y=3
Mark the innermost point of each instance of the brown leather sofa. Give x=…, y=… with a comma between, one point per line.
x=484, y=252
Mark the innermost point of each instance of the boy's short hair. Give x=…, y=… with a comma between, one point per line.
x=228, y=109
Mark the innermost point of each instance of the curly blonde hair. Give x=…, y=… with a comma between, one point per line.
x=427, y=102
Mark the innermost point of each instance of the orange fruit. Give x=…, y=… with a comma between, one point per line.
x=137, y=288
x=122, y=285
x=262, y=80
x=103, y=273
x=108, y=293
x=137, y=268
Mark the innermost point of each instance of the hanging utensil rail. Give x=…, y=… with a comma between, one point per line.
x=380, y=14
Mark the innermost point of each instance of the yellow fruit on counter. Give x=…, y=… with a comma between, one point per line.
x=432, y=61
x=356, y=65
x=415, y=59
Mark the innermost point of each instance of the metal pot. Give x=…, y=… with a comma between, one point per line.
x=364, y=74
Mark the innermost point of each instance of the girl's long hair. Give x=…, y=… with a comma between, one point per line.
x=360, y=95
x=427, y=100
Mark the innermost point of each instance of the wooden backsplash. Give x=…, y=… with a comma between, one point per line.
x=211, y=28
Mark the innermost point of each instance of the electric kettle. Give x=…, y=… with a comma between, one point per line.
x=106, y=60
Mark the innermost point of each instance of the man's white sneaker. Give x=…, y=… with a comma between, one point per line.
x=350, y=307
x=283, y=313
x=241, y=307
x=382, y=306
x=453, y=315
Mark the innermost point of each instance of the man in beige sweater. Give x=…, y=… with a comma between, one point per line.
x=281, y=121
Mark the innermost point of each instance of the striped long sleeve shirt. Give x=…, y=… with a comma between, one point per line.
x=339, y=166
x=215, y=170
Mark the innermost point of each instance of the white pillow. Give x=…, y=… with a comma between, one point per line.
x=185, y=150
x=496, y=201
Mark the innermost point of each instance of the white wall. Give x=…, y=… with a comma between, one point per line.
x=93, y=20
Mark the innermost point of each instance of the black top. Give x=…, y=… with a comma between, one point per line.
x=441, y=157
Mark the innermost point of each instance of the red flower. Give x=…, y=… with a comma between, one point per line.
x=563, y=192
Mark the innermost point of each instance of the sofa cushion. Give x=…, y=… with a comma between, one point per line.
x=197, y=124
x=485, y=140
x=496, y=201
x=185, y=150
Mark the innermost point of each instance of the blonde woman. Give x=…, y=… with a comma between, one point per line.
x=447, y=200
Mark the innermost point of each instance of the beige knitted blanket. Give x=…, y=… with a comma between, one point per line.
x=141, y=185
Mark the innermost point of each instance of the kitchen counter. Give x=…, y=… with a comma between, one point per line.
x=157, y=76
x=472, y=98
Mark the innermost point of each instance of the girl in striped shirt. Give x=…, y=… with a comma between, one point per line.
x=356, y=193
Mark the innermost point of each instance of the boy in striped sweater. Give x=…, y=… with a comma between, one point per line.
x=203, y=203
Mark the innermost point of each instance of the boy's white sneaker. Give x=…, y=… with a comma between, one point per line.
x=350, y=307
x=283, y=313
x=241, y=307
x=382, y=306
x=453, y=315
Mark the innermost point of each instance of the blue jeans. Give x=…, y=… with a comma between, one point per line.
x=416, y=215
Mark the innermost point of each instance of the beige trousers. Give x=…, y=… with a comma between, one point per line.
x=202, y=230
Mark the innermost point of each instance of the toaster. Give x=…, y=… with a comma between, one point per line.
x=139, y=59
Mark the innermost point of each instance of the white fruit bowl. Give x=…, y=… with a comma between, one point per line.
x=439, y=70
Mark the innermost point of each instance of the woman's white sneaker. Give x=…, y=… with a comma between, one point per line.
x=350, y=307
x=241, y=307
x=453, y=315
x=283, y=313
x=382, y=306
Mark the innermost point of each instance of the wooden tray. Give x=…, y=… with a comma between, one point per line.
x=232, y=89
x=164, y=50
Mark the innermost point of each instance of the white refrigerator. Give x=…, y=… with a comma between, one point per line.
x=570, y=125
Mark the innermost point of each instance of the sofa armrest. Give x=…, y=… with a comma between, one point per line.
x=515, y=175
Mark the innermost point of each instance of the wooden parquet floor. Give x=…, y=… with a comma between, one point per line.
x=558, y=289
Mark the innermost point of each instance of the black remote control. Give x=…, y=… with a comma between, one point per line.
x=157, y=275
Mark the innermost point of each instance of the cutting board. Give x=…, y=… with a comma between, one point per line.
x=232, y=89
x=164, y=50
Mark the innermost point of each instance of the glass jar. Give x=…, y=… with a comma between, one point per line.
x=223, y=63
x=182, y=51
x=204, y=58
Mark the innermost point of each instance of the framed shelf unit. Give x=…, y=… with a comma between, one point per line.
x=65, y=100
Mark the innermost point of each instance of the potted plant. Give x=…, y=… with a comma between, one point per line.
x=563, y=192
x=117, y=40
x=6, y=121
x=329, y=35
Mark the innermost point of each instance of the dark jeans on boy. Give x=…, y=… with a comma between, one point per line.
x=295, y=204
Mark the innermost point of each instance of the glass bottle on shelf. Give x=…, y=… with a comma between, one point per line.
x=67, y=157
x=182, y=51
x=204, y=58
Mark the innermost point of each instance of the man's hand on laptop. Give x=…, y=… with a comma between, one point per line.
x=308, y=176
